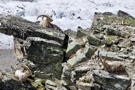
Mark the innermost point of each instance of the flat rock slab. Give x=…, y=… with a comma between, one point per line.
x=110, y=81
x=7, y=60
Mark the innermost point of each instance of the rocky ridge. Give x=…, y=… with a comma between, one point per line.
x=99, y=58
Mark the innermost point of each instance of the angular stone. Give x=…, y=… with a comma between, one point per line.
x=110, y=81
x=21, y=28
x=87, y=86
x=109, y=55
x=94, y=41
x=82, y=32
x=118, y=25
x=15, y=85
x=82, y=55
x=72, y=48
x=119, y=33
x=115, y=56
x=124, y=14
x=57, y=85
x=133, y=83
x=132, y=39
x=47, y=55
x=70, y=33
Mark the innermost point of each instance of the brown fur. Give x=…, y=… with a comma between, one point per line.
x=27, y=72
x=47, y=22
x=112, y=68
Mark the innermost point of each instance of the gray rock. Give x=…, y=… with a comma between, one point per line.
x=70, y=33
x=110, y=81
x=88, y=86
x=82, y=54
x=133, y=83
x=47, y=55
x=109, y=55
x=72, y=48
x=66, y=73
x=57, y=85
x=124, y=14
x=82, y=32
x=15, y=85
x=114, y=31
x=94, y=41
x=132, y=39
x=115, y=55
x=115, y=24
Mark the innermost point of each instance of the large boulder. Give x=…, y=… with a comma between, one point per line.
x=47, y=55
x=15, y=85
x=110, y=81
x=82, y=54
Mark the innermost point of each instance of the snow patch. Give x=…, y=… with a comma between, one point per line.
x=67, y=14
x=6, y=42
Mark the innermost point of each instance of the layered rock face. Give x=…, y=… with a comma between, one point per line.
x=39, y=47
x=102, y=57
x=99, y=58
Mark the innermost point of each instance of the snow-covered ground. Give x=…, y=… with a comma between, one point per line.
x=67, y=14
x=6, y=42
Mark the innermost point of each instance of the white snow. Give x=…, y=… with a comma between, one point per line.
x=67, y=14
x=6, y=42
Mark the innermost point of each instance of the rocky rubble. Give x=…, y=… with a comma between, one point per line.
x=99, y=58
x=111, y=39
